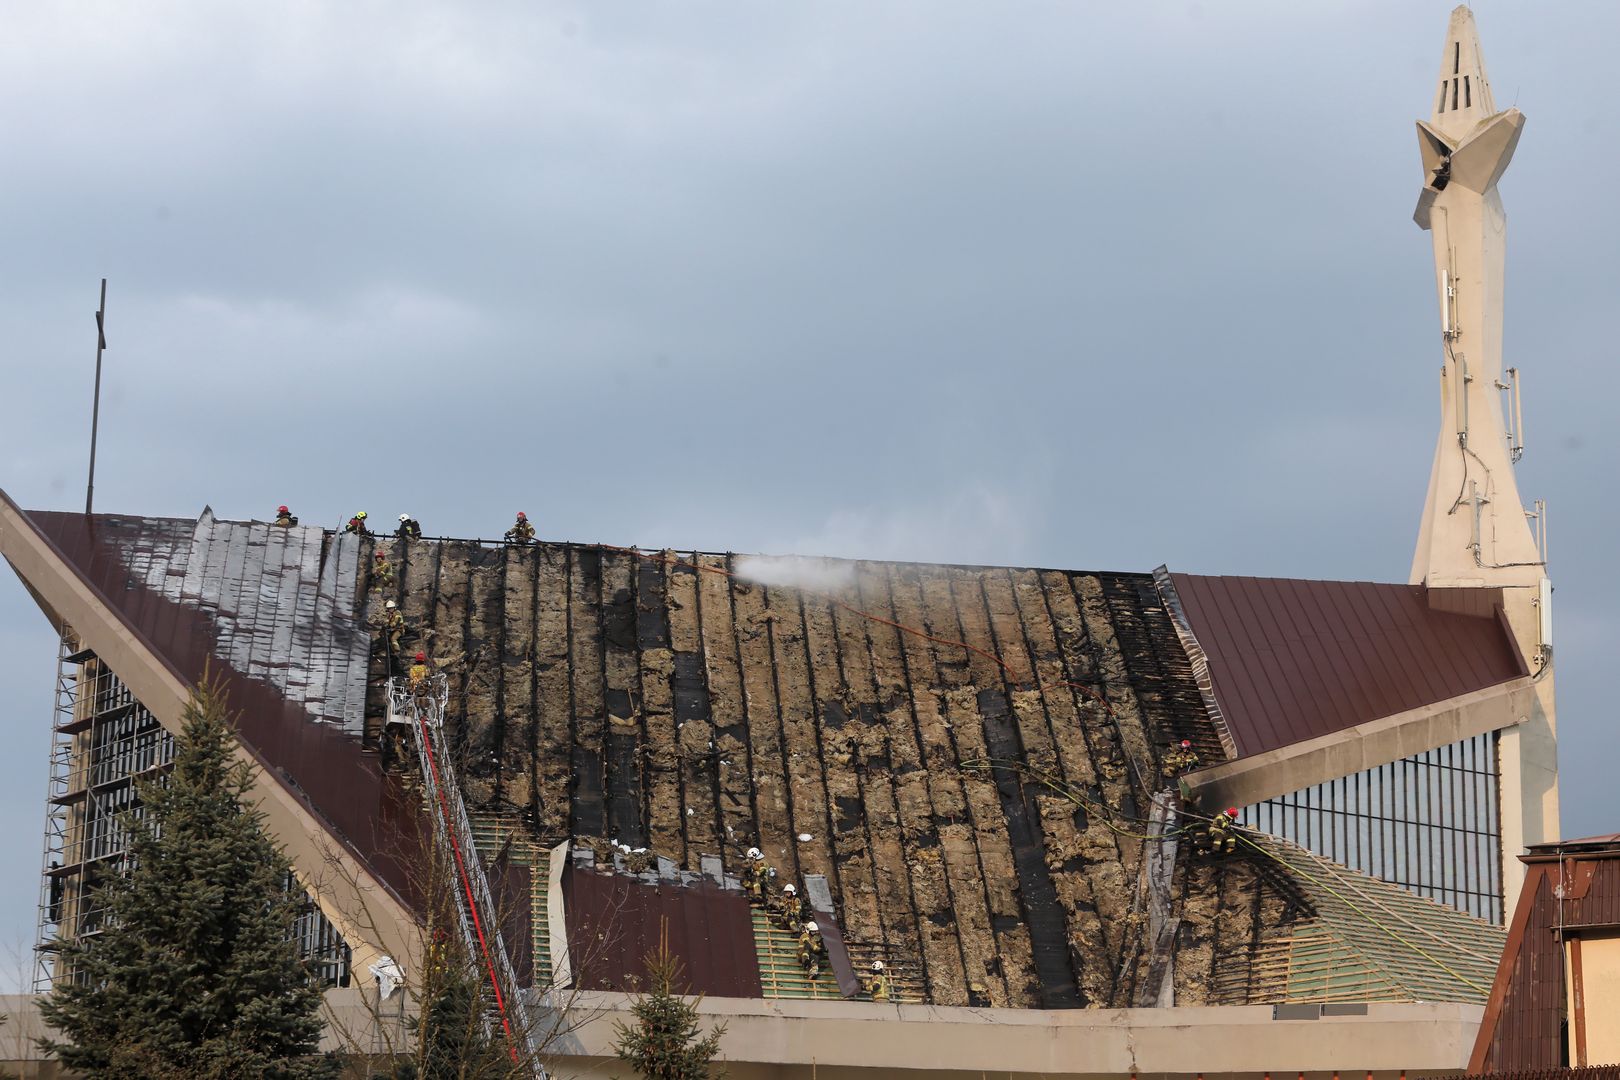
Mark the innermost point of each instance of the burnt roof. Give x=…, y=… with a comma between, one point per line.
x=1293, y=659
x=964, y=752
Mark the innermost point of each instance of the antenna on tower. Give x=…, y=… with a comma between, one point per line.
x=95, y=408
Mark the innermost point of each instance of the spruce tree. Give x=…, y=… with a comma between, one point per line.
x=195, y=973
x=663, y=1044
x=452, y=1039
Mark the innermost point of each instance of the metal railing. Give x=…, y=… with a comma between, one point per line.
x=423, y=710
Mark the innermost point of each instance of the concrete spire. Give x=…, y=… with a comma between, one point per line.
x=1474, y=529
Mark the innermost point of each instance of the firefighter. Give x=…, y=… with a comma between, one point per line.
x=877, y=984
x=811, y=950
x=521, y=531
x=409, y=528
x=382, y=572
x=1220, y=839
x=417, y=676
x=284, y=518
x=393, y=624
x=786, y=909
x=357, y=525
x=1180, y=759
x=757, y=874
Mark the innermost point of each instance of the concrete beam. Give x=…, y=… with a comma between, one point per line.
x=1378, y=742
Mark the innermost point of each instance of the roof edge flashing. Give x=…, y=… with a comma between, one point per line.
x=1171, y=600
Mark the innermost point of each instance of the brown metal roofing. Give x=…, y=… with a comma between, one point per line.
x=615, y=922
x=142, y=569
x=1292, y=660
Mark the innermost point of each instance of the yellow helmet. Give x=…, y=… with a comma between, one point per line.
x=361, y=514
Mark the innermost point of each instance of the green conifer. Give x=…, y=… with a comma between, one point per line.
x=663, y=1044
x=195, y=973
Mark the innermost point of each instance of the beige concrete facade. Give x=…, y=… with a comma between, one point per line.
x=826, y=1040
x=1592, y=998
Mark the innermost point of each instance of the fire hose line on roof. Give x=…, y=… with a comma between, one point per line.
x=1032, y=682
x=1061, y=788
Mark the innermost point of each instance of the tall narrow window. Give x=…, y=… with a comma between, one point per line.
x=1468, y=94
x=1443, y=88
x=1456, y=57
x=1453, y=93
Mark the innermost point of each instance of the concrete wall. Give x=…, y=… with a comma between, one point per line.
x=827, y=1040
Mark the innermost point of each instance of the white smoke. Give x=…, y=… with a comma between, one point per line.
x=797, y=571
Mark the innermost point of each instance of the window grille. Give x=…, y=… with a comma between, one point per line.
x=1430, y=823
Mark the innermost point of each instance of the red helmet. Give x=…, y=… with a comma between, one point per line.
x=381, y=556
x=1186, y=744
x=282, y=510
x=1231, y=812
x=522, y=516
x=421, y=657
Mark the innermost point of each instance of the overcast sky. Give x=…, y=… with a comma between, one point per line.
x=1095, y=286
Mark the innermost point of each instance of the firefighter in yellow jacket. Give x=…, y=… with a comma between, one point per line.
x=877, y=983
x=1220, y=839
x=811, y=950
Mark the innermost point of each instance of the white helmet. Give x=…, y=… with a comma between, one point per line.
x=404, y=517
x=812, y=927
x=790, y=889
x=390, y=605
x=755, y=853
x=877, y=965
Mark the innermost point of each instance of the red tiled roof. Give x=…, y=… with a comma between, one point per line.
x=1292, y=660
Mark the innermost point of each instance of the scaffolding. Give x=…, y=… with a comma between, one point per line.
x=104, y=745
x=52, y=876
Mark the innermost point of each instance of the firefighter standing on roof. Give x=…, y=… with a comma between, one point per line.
x=357, y=525
x=877, y=984
x=521, y=531
x=393, y=624
x=382, y=573
x=811, y=950
x=284, y=518
x=409, y=528
x=1180, y=759
x=417, y=676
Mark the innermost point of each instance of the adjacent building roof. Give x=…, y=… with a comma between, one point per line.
x=1291, y=659
x=967, y=754
x=1571, y=888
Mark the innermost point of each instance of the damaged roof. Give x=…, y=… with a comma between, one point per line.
x=968, y=754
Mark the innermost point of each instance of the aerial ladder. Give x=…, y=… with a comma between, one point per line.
x=421, y=709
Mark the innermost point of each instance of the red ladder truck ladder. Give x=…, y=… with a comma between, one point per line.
x=423, y=712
